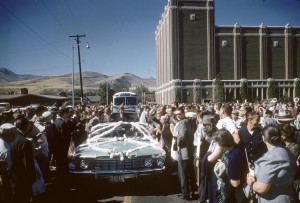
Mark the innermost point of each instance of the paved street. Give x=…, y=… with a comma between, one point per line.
x=146, y=189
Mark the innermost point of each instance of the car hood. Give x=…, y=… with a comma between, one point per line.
x=111, y=148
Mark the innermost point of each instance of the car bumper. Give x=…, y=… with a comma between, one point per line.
x=119, y=172
x=116, y=175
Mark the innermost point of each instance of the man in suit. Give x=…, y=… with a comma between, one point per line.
x=22, y=162
x=185, y=150
x=61, y=143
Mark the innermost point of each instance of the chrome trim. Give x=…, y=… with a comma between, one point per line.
x=119, y=172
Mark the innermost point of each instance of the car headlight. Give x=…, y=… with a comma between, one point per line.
x=148, y=162
x=160, y=162
x=72, y=165
x=84, y=164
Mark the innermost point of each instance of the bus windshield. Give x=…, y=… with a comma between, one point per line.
x=119, y=101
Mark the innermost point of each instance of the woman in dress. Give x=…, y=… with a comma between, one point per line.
x=274, y=171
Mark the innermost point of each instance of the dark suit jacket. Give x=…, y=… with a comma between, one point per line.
x=185, y=136
x=22, y=163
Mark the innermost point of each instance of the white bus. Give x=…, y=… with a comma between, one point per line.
x=127, y=99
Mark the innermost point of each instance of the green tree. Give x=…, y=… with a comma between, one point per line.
x=285, y=98
x=243, y=91
x=219, y=89
x=297, y=88
x=271, y=89
x=177, y=95
x=105, y=92
x=140, y=91
x=118, y=87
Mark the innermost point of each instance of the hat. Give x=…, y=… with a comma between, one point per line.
x=191, y=115
x=47, y=114
x=207, y=120
x=284, y=115
x=7, y=128
x=235, y=112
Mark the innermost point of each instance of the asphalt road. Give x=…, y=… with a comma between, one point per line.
x=145, y=189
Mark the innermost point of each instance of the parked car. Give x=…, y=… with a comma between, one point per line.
x=117, y=151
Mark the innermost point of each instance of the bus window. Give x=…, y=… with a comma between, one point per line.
x=131, y=101
x=119, y=101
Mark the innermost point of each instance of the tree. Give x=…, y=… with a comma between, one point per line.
x=219, y=89
x=140, y=91
x=243, y=91
x=297, y=87
x=105, y=92
x=178, y=95
x=271, y=88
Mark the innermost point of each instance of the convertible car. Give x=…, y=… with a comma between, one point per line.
x=118, y=150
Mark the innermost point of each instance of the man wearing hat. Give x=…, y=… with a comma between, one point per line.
x=284, y=116
x=204, y=149
x=235, y=118
x=7, y=135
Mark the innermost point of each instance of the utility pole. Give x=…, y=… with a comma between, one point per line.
x=106, y=93
x=73, y=100
x=77, y=37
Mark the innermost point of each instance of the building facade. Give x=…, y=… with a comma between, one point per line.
x=190, y=47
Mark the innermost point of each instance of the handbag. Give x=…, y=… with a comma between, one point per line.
x=184, y=153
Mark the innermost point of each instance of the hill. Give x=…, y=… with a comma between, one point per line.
x=90, y=80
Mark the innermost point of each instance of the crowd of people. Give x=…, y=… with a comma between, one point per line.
x=222, y=152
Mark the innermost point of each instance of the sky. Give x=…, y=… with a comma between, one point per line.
x=34, y=34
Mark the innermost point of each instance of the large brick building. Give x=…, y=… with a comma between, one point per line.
x=191, y=50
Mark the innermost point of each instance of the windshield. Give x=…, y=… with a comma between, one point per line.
x=131, y=101
x=119, y=101
x=112, y=130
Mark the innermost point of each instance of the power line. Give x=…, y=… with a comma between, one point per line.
x=29, y=28
x=53, y=16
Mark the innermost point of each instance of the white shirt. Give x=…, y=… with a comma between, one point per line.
x=143, y=116
x=199, y=134
x=5, y=153
x=297, y=122
x=228, y=124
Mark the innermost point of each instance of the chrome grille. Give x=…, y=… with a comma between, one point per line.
x=128, y=164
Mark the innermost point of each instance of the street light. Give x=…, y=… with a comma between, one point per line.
x=77, y=37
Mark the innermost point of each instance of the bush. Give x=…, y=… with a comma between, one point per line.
x=219, y=89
